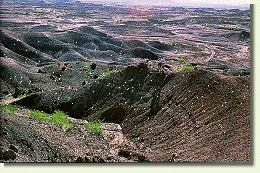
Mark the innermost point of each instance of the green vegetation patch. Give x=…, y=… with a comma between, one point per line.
x=9, y=108
x=186, y=68
x=174, y=42
x=42, y=116
x=181, y=60
x=107, y=73
x=60, y=118
x=95, y=126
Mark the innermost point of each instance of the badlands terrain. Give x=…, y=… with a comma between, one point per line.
x=98, y=63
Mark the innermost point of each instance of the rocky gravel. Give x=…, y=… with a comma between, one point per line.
x=24, y=139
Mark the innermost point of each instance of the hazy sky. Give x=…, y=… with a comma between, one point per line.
x=176, y=2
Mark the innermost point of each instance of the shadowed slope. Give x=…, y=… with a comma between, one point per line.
x=23, y=49
x=8, y=53
x=80, y=44
x=44, y=43
x=190, y=116
x=13, y=72
x=21, y=74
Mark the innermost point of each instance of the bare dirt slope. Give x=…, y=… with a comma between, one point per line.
x=193, y=116
x=186, y=116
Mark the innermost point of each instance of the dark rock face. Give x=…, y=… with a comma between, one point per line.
x=114, y=114
x=144, y=53
x=244, y=35
x=240, y=72
x=91, y=46
x=83, y=160
x=80, y=44
x=168, y=104
x=92, y=31
x=16, y=93
x=14, y=148
x=19, y=47
x=30, y=101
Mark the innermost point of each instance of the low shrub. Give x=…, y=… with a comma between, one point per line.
x=186, y=68
x=60, y=118
x=94, y=126
x=106, y=73
x=10, y=108
x=181, y=60
x=174, y=42
x=42, y=116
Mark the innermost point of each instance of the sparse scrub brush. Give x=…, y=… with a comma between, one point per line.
x=42, y=116
x=186, y=68
x=94, y=126
x=108, y=73
x=10, y=108
x=174, y=42
x=181, y=60
x=60, y=118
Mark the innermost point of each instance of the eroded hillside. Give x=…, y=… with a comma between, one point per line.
x=170, y=117
x=99, y=63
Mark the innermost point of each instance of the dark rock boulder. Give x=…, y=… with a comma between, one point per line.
x=114, y=114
